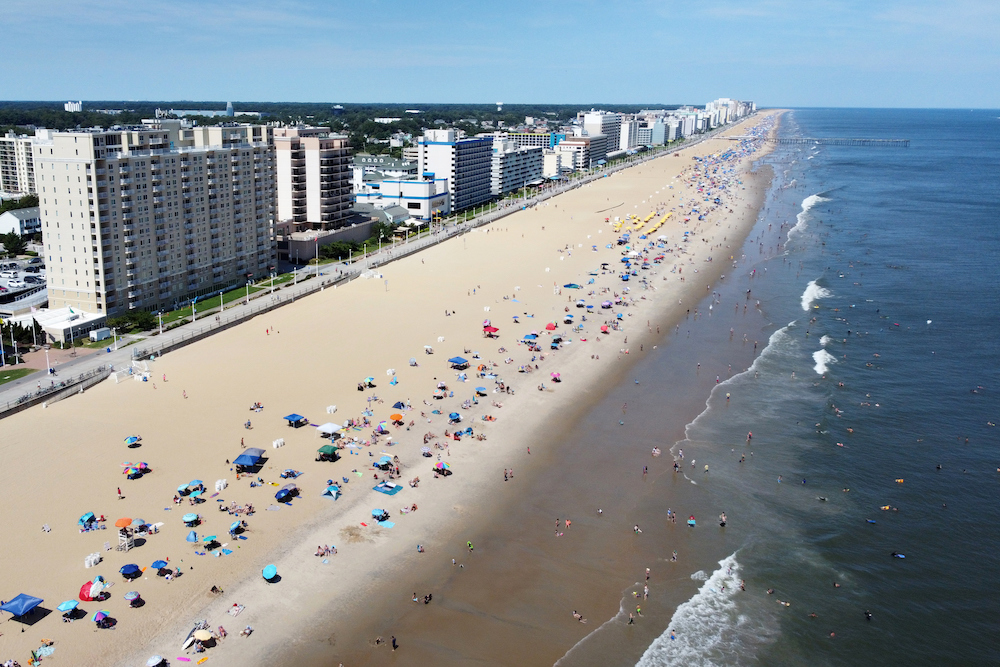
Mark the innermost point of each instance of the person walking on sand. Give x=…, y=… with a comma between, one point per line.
x=469, y=544
x=394, y=645
x=120, y=493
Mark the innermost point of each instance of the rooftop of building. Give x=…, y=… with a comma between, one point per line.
x=25, y=213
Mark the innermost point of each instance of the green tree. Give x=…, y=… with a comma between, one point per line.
x=14, y=244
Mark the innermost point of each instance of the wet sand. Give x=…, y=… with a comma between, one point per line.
x=302, y=358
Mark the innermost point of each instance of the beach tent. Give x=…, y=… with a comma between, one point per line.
x=328, y=451
x=21, y=605
x=85, y=592
x=249, y=457
x=296, y=420
x=286, y=492
x=87, y=518
x=572, y=286
x=192, y=536
x=328, y=429
x=333, y=491
x=550, y=326
x=399, y=405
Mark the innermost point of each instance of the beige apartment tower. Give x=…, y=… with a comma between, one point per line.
x=149, y=217
x=313, y=178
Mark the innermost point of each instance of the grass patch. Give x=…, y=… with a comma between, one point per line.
x=14, y=373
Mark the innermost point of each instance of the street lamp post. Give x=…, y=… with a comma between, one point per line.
x=48, y=366
x=114, y=332
x=248, y=292
x=159, y=315
x=222, y=304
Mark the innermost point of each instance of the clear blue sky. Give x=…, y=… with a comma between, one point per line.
x=909, y=53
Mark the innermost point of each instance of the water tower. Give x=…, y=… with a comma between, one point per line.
x=499, y=107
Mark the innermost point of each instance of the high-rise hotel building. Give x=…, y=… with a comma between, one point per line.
x=313, y=167
x=150, y=216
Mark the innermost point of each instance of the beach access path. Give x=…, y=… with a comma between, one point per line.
x=302, y=358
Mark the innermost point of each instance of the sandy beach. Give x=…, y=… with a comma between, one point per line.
x=65, y=460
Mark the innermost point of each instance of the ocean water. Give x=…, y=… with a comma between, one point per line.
x=873, y=277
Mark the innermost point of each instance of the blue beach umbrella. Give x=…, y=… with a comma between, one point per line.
x=131, y=440
x=208, y=538
x=189, y=517
x=87, y=518
x=137, y=522
x=159, y=564
x=234, y=526
x=130, y=569
x=269, y=572
x=68, y=605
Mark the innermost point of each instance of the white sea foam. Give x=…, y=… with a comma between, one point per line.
x=803, y=216
x=705, y=627
x=823, y=360
x=812, y=294
x=774, y=343
x=825, y=340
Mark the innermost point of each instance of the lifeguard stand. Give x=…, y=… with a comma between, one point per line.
x=126, y=540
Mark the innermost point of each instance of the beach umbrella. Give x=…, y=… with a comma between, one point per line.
x=550, y=327
x=132, y=595
x=100, y=615
x=138, y=522
x=129, y=570
x=396, y=417
x=491, y=329
x=197, y=493
x=454, y=415
x=269, y=572
x=378, y=512
x=127, y=464
x=159, y=564
x=369, y=379
x=182, y=488
x=425, y=450
x=208, y=538
x=192, y=537
x=202, y=635
x=441, y=465
x=234, y=526
x=390, y=371
x=131, y=440
x=189, y=517
x=555, y=375
x=68, y=605
x=399, y=405
x=531, y=336
x=282, y=495
x=195, y=482
x=154, y=661
x=87, y=518
x=124, y=522
x=481, y=390
x=438, y=392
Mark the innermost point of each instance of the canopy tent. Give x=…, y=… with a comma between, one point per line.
x=249, y=457
x=296, y=420
x=458, y=361
x=21, y=605
x=328, y=429
x=329, y=450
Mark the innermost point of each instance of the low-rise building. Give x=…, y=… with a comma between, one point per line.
x=423, y=199
x=22, y=221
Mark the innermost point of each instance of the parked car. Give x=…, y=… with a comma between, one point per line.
x=34, y=280
x=8, y=274
x=32, y=269
x=35, y=260
x=16, y=284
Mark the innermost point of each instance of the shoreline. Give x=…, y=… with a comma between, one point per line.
x=228, y=372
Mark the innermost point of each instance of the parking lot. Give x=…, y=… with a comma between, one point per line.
x=21, y=275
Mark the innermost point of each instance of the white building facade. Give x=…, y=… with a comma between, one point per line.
x=423, y=199
x=512, y=168
x=17, y=170
x=466, y=163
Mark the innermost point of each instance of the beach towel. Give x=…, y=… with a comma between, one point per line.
x=227, y=551
x=236, y=609
x=386, y=524
x=273, y=508
x=45, y=651
x=241, y=537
